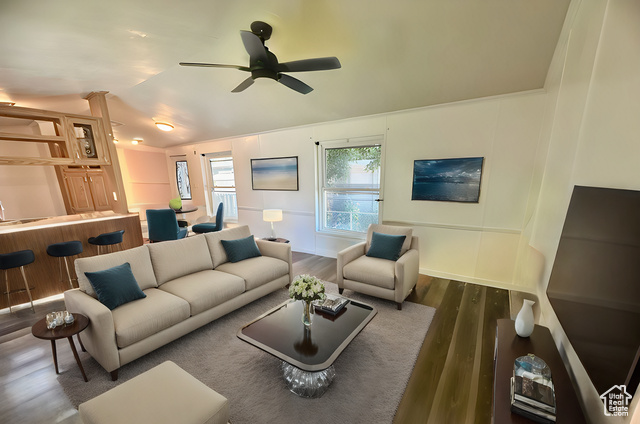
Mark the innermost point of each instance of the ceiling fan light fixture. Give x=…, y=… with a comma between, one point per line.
x=164, y=126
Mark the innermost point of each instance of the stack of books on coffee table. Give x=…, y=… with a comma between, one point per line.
x=532, y=399
x=332, y=304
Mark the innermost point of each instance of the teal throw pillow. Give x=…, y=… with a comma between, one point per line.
x=115, y=286
x=385, y=246
x=241, y=249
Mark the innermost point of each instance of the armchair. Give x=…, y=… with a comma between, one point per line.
x=163, y=225
x=374, y=276
x=209, y=227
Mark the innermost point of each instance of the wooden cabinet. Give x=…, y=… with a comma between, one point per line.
x=86, y=189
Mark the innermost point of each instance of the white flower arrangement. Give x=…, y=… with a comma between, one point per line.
x=306, y=287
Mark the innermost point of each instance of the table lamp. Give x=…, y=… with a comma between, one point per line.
x=272, y=215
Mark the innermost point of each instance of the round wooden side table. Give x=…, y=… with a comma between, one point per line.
x=41, y=331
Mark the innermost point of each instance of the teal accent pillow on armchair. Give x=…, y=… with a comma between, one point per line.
x=241, y=249
x=385, y=246
x=115, y=286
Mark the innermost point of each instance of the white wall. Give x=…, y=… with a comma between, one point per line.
x=593, y=92
x=470, y=242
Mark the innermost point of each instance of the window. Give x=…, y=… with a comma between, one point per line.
x=222, y=184
x=350, y=185
x=182, y=177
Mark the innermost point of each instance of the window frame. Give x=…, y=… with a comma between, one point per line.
x=322, y=146
x=210, y=183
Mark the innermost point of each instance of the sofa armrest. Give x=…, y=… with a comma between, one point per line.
x=99, y=338
x=280, y=251
x=345, y=256
x=407, y=270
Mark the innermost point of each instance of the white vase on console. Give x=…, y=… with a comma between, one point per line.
x=524, y=320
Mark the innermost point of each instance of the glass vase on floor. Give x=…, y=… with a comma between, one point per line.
x=307, y=313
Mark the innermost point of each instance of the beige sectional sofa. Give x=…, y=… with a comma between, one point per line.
x=188, y=283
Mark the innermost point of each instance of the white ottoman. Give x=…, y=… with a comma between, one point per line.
x=164, y=394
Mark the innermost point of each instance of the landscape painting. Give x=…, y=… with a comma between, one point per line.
x=449, y=180
x=275, y=173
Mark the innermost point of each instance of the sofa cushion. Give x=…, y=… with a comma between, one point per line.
x=393, y=230
x=175, y=258
x=386, y=246
x=241, y=249
x=374, y=271
x=205, y=289
x=115, y=286
x=137, y=320
x=256, y=271
x=218, y=255
x=138, y=258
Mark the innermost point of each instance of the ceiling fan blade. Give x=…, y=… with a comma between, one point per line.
x=215, y=65
x=243, y=85
x=318, y=64
x=254, y=47
x=295, y=84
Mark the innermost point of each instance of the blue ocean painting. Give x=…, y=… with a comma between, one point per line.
x=452, y=180
x=275, y=173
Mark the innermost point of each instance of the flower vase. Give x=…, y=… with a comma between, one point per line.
x=307, y=313
x=524, y=320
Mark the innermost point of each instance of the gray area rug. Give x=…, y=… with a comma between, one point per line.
x=371, y=373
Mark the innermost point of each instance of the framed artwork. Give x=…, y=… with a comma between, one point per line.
x=449, y=180
x=182, y=177
x=275, y=173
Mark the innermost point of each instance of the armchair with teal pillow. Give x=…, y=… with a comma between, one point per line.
x=209, y=227
x=386, y=265
x=163, y=225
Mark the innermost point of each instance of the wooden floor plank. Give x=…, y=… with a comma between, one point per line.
x=450, y=403
x=496, y=307
x=417, y=401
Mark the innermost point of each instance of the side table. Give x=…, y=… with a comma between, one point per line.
x=41, y=331
x=276, y=240
x=509, y=346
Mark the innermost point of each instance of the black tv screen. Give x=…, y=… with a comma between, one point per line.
x=594, y=286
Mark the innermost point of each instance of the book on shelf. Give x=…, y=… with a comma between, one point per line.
x=332, y=304
x=536, y=394
x=532, y=407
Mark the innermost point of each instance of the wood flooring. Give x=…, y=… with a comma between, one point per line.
x=451, y=381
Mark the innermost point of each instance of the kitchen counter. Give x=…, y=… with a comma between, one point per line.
x=38, y=233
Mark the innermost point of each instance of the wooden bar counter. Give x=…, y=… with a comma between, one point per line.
x=36, y=234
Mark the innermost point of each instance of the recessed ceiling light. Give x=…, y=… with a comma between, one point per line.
x=163, y=126
x=137, y=140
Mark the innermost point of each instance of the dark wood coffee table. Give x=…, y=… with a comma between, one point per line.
x=41, y=331
x=308, y=354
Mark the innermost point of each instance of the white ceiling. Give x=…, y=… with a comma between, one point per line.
x=395, y=55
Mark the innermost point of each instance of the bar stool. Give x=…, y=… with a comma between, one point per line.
x=107, y=240
x=62, y=251
x=15, y=260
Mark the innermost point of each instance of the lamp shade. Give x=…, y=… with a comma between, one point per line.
x=272, y=215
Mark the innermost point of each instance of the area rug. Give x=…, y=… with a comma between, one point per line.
x=371, y=373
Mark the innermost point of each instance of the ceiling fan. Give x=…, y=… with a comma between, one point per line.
x=264, y=64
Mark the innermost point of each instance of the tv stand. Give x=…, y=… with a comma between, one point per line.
x=509, y=346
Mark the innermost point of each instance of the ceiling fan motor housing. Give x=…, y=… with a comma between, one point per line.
x=262, y=30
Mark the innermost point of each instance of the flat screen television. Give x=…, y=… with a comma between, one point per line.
x=594, y=286
x=447, y=180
